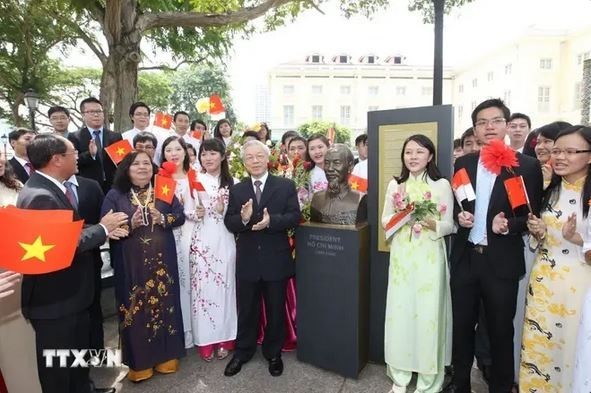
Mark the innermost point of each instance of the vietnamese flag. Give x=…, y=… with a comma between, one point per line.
x=462, y=186
x=164, y=188
x=215, y=105
x=38, y=241
x=516, y=192
x=358, y=183
x=194, y=183
x=398, y=220
x=117, y=151
x=163, y=120
x=197, y=134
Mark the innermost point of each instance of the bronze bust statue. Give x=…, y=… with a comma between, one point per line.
x=338, y=204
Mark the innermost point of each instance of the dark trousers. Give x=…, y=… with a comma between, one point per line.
x=481, y=342
x=97, y=335
x=69, y=332
x=472, y=281
x=249, y=299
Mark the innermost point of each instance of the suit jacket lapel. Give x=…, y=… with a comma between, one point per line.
x=55, y=189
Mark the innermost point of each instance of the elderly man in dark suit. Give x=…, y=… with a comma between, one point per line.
x=487, y=259
x=57, y=303
x=261, y=209
x=91, y=140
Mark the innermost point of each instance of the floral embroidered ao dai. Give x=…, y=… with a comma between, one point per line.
x=146, y=283
x=418, y=304
x=558, y=283
x=213, y=267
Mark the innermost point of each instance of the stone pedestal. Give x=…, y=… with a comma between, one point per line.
x=332, y=275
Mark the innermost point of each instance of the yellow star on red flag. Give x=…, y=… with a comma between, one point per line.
x=165, y=190
x=36, y=249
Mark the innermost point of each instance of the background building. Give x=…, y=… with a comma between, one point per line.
x=539, y=74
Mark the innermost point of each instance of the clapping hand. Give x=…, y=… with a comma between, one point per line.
x=569, y=230
x=264, y=223
x=199, y=211
x=466, y=219
x=137, y=219
x=92, y=148
x=246, y=211
x=112, y=220
x=8, y=280
x=156, y=216
x=500, y=224
x=219, y=206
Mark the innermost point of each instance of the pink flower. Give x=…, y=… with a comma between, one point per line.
x=442, y=208
x=417, y=228
x=397, y=197
x=427, y=195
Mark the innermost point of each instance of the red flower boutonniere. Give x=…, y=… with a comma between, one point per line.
x=496, y=155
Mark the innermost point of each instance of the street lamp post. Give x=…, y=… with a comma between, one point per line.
x=32, y=100
x=4, y=142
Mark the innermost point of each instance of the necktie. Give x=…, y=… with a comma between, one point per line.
x=99, y=150
x=71, y=195
x=258, y=192
x=30, y=169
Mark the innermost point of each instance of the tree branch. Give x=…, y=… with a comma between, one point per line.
x=196, y=19
x=91, y=43
x=316, y=7
x=175, y=68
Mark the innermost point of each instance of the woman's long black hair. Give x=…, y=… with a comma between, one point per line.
x=432, y=171
x=122, y=181
x=553, y=190
x=216, y=129
x=214, y=144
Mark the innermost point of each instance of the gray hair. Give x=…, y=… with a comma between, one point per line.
x=251, y=143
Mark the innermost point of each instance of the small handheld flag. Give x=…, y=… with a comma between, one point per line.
x=164, y=188
x=358, y=183
x=163, y=120
x=516, y=192
x=462, y=187
x=398, y=220
x=118, y=151
x=215, y=105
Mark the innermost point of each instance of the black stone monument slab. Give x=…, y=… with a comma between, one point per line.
x=332, y=275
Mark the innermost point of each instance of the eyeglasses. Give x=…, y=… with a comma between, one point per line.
x=496, y=122
x=568, y=152
x=59, y=118
x=96, y=112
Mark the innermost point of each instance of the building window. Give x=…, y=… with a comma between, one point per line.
x=373, y=90
x=288, y=118
x=400, y=90
x=582, y=57
x=343, y=59
x=543, y=98
x=546, y=64
x=345, y=115
x=316, y=112
x=427, y=90
x=372, y=108
x=507, y=97
x=345, y=89
x=475, y=82
x=490, y=76
x=371, y=59
x=397, y=59
x=473, y=105
x=461, y=88
x=288, y=89
x=460, y=111
x=508, y=69
x=316, y=59
x=317, y=89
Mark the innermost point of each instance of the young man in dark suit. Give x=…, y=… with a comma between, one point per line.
x=486, y=259
x=19, y=139
x=89, y=197
x=91, y=140
x=261, y=209
x=57, y=303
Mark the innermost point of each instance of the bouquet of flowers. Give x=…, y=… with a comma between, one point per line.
x=301, y=177
x=233, y=154
x=421, y=209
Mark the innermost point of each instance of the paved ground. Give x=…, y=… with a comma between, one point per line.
x=195, y=375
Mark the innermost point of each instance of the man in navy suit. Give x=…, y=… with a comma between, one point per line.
x=91, y=140
x=57, y=303
x=486, y=260
x=19, y=139
x=261, y=209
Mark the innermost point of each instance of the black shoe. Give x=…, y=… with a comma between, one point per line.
x=275, y=367
x=486, y=372
x=233, y=367
x=94, y=389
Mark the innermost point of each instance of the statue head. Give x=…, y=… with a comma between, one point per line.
x=338, y=164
